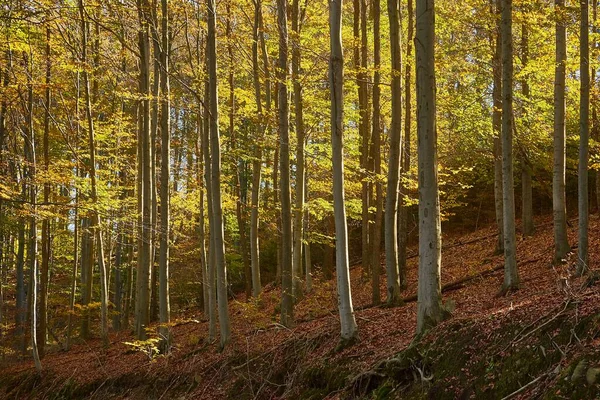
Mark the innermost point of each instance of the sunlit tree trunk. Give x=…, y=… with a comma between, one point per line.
x=395, y=134
x=287, y=296
x=96, y=223
x=165, y=174
x=376, y=156
x=511, y=273
x=215, y=152
x=584, y=133
x=349, y=329
x=561, y=244
x=429, y=309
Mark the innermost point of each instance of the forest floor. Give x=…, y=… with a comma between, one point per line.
x=542, y=341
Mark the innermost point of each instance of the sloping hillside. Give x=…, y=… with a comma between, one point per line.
x=542, y=340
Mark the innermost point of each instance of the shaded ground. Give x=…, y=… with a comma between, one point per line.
x=491, y=347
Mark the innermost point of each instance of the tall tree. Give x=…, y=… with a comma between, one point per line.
x=287, y=297
x=511, y=273
x=496, y=40
x=375, y=233
x=300, y=175
x=405, y=155
x=395, y=133
x=349, y=329
x=215, y=150
x=584, y=133
x=429, y=309
x=96, y=226
x=561, y=244
x=165, y=173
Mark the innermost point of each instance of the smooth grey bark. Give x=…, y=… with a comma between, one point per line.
x=526, y=167
x=584, y=137
x=300, y=174
x=429, y=308
x=349, y=329
x=215, y=153
x=511, y=273
x=287, y=296
x=164, y=312
x=393, y=176
x=561, y=244
x=375, y=233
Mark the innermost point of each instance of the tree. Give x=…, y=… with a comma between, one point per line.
x=215, y=150
x=393, y=181
x=165, y=173
x=526, y=167
x=584, y=109
x=287, y=296
x=497, y=122
x=375, y=233
x=561, y=244
x=349, y=330
x=511, y=273
x=429, y=309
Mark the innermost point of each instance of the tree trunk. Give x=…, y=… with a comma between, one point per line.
x=497, y=125
x=376, y=156
x=584, y=132
x=257, y=162
x=215, y=150
x=395, y=133
x=165, y=173
x=349, y=330
x=429, y=309
x=145, y=206
x=287, y=300
x=46, y=239
x=511, y=273
x=561, y=244
x=96, y=226
x=405, y=155
x=300, y=175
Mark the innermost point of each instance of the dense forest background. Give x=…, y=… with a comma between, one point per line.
x=158, y=157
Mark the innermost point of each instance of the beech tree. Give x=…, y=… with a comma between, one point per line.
x=349, y=328
x=584, y=105
x=429, y=310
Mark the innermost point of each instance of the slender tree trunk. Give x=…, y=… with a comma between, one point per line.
x=561, y=244
x=584, y=133
x=395, y=133
x=429, y=309
x=497, y=125
x=257, y=162
x=511, y=273
x=376, y=156
x=595, y=130
x=287, y=300
x=405, y=155
x=30, y=157
x=145, y=201
x=349, y=329
x=217, y=207
x=300, y=174
x=165, y=173
x=307, y=255
x=46, y=239
x=96, y=224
